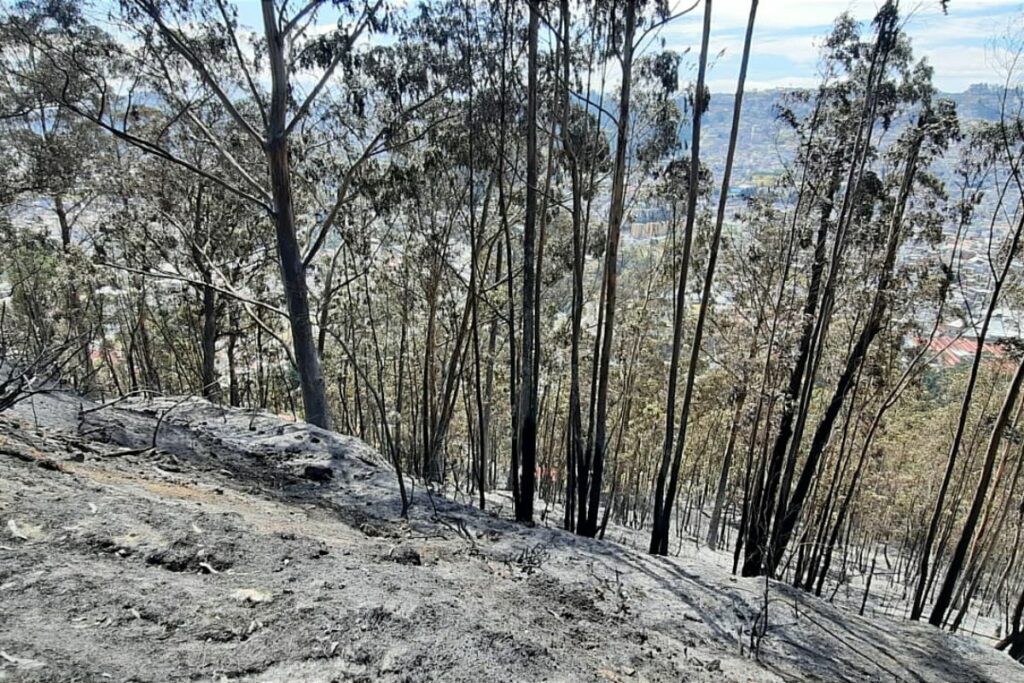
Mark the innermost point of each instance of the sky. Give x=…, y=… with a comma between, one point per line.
x=965, y=46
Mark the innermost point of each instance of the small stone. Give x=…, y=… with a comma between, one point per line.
x=251, y=596
x=318, y=473
x=406, y=555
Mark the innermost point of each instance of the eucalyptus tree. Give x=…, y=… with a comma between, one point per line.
x=956, y=563
x=38, y=350
x=527, y=412
x=860, y=94
x=924, y=280
x=755, y=266
x=178, y=54
x=204, y=239
x=586, y=160
x=912, y=191
x=629, y=25
x=667, y=480
x=999, y=144
x=52, y=162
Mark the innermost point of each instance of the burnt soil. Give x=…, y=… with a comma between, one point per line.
x=244, y=547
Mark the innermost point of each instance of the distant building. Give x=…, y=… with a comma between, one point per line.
x=950, y=351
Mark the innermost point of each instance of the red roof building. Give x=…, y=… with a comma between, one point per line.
x=950, y=351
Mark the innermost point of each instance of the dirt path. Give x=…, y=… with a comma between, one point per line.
x=213, y=558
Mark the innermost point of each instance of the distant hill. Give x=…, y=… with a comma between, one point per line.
x=764, y=145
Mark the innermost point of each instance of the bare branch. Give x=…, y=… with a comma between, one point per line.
x=241, y=62
x=293, y=22
x=179, y=44
x=329, y=71
x=179, y=277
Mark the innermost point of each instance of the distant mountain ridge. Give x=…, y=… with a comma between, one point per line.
x=764, y=146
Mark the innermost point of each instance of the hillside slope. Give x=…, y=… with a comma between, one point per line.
x=214, y=558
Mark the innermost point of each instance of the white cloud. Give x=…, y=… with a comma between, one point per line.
x=966, y=65
x=795, y=14
x=728, y=85
x=788, y=34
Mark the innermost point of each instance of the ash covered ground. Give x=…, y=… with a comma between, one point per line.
x=243, y=547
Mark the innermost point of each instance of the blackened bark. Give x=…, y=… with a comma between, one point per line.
x=211, y=389
x=588, y=526
x=956, y=562
x=783, y=528
x=528, y=381
x=574, y=453
x=293, y=272
x=757, y=529
x=659, y=527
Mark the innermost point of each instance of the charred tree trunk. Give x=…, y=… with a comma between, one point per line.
x=574, y=454
x=293, y=271
x=757, y=528
x=528, y=381
x=662, y=498
x=588, y=524
x=783, y=527
x=956, y=562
